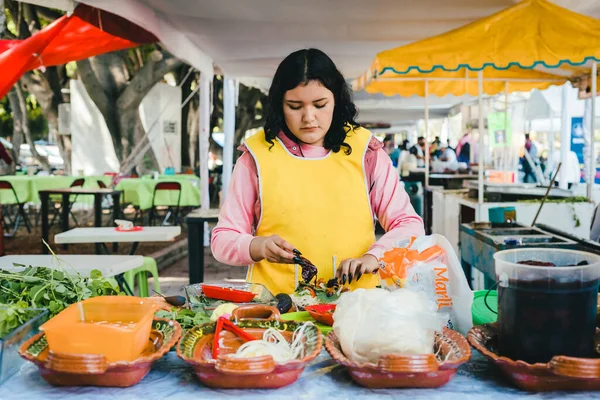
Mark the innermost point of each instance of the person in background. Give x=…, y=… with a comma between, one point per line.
x=463, y=148
x=312, y=181
x=447, y=154
x=570, y=171
x=529, y=164
x=390, y=148
x=418, y=150
x=434, y=149
x=403, y=154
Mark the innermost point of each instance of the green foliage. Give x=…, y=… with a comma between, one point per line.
x=6, y=119
x=186, y=318
x=574, y=199
x=10, y=24
x=37, y=122
x=41, y=287
x=13, y=316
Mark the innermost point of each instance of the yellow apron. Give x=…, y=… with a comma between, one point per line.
x=321, y=206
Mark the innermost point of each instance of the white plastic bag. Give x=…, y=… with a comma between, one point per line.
x=375, y=322
x=419, y=266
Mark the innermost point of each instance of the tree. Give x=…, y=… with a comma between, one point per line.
x=45, y=84
x=249, y=113
x=117, y=82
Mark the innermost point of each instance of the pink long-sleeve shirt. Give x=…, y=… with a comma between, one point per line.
x=241, y=209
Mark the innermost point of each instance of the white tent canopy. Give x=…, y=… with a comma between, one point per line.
x=250, y=38
x=246, y=40
x=402, y=111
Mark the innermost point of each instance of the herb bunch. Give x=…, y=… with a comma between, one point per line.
x=41, y=287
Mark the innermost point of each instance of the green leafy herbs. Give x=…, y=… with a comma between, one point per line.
x=41, y=287
x=574, y=199
x=186, y=318
x=13, y=316
x=320, y=293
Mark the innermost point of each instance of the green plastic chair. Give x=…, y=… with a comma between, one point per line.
x=149, y=267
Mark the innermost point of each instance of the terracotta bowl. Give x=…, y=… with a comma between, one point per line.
x=226, y=372
x=92, y=369
x=322, y=313
x=416, y=371
x=561, y=373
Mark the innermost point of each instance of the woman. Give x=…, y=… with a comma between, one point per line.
x=313, y=180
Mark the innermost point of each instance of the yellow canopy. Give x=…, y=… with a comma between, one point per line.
x=459, y=83
x=505, y=46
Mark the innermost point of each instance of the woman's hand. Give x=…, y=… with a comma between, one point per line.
x=271, y=248
x=354, y=268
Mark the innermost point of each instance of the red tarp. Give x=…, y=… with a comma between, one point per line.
x=86, y=33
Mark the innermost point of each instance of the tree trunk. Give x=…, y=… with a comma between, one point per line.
x=65, y=146
x=17, y=137
x=2, y=17
x=106, y=81
x=148, y=163
x=47, y=90
x=20, y=118
x=246, y=115
x=187, y=158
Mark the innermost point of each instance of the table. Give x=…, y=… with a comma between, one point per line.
x=28, y=187
x=139, y=192
x=111, y=235
x=447, y=180
x=177, y=177
x=451, y=208
x=195, y=221
x=110, y=266
x=100, y=236
x=171, y=378
x=66, y=193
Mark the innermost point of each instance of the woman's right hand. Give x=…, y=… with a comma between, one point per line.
x=271, y=248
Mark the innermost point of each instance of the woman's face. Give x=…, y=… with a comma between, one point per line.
x=308, y=112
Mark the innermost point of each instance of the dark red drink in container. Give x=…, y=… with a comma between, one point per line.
x=547, y=302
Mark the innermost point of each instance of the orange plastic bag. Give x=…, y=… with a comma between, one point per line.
x=428, y=264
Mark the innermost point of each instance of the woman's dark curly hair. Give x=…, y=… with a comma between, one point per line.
x=299, y=68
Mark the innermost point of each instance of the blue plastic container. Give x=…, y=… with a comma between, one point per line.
x=502, y=215
x=10, y=361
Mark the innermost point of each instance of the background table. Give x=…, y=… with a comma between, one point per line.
x=28, y=187
x=66, y=193
x=139, y=192
x=171, y=378
x=195, y=221
x=179, y=177
x=83, y=264
x=111, y=235
x=101, y=236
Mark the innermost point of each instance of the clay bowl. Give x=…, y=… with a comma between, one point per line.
x=92, y=369
x=416, y=371
x=322, y=313
x=226, y=372
x=561, y=373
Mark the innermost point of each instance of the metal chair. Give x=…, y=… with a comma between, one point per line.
x=79, y=182
x=166, y=186
x=6, y=185
x=107, y=204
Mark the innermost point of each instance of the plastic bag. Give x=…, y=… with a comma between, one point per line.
x=428, y=264
x=375, y=322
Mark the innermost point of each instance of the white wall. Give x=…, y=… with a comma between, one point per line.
x=160, y=113
x=93, y=151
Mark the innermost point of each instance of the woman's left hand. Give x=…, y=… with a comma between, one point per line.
x=354, y=268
